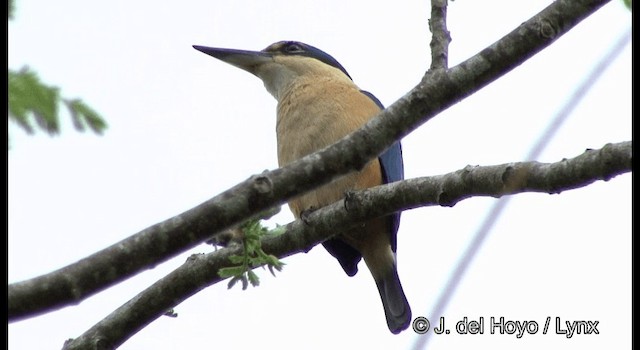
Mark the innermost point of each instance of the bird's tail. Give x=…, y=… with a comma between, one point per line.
x=396, y=306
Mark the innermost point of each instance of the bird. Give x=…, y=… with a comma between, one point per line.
x=318, y=104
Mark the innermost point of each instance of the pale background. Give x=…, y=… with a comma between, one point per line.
x=183, y=127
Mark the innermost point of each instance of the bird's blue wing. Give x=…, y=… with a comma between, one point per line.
x=392, y=170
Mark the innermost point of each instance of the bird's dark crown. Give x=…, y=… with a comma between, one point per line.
x=296, y=48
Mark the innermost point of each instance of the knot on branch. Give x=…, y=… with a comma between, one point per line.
x=546, y=29
x=513, y=177
x=96, y=342
x=610, y=157
x=350, y=201
x=261, y=191
x=455, y=184
x=194, y=257
x=262, y=184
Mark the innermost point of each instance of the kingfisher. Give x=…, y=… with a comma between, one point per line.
x=318, y=104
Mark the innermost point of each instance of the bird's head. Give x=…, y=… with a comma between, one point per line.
x=281, y=63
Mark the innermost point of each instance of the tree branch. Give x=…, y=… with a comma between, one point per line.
x=440, y=37
x=437, y=91
x=200, y=271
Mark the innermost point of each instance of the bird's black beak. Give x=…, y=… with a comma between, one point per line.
x=243, y=59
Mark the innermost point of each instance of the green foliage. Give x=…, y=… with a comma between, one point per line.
x=83, y=116
x=11, y=8
x=627, y=3
x=31, y=100
x=27, y=95
x=253, y=256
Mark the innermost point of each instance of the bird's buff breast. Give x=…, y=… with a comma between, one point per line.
x=308, y=121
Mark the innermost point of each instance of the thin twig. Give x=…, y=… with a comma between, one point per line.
x=440, y=37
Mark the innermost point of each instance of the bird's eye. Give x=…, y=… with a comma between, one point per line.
x=292, y=48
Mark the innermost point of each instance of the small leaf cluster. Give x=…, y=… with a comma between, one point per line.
x=29, y=97
x=253, y=256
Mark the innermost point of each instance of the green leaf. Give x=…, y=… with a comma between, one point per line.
x=231, y=271
x=236, y=259
x=235, y=280
x=277, y=267
x=253, y=256
x=83, y=116
x=274, y=261
x=278, y=230
x=243, y=278
x=27, y=95
x=253, y=278
x=33, y=104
